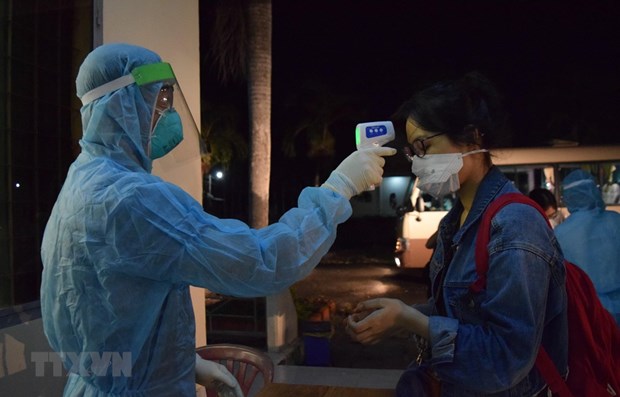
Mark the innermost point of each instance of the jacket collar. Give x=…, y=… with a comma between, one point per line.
x=492, y=185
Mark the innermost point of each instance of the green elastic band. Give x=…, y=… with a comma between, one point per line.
x=154, y=72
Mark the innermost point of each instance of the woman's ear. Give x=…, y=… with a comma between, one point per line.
x=478, y=137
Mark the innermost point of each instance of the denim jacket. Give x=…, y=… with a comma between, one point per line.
x=486, y=344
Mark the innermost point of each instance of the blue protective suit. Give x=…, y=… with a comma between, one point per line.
x=122, y=247
x=590, y=237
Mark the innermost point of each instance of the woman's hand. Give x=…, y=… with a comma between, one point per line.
x=377, y=319
x=211, y=374
x=374, y=320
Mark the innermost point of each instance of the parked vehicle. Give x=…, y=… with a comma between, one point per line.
x=528, y=168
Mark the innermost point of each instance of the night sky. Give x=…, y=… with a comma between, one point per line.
x=556, y=63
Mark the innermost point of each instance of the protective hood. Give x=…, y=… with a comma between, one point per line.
x=118, y=124
x=580, y=193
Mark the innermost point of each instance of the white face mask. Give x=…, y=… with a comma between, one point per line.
x=556, y=218
x=438, y=174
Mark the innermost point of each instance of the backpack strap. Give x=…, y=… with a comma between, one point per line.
x=484, y=234
x=550, y=374
x=544, y=364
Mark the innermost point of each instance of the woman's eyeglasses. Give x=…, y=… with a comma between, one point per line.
x=418, y=147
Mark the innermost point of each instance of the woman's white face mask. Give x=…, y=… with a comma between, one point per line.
x=438, y=174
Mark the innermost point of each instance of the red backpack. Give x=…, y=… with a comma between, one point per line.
x=593, y=335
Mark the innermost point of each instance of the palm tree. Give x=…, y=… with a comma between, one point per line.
x=314, y=110
x=259, y=93
x=241, y=47
x=247, y=51
x=220, y=131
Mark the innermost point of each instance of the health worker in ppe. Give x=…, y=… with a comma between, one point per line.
x=590, y=237
x=122, y=246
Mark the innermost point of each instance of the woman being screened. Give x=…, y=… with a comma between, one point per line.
x=480, y=344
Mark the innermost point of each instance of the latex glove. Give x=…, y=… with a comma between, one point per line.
x=211, y=374
x=358, y=172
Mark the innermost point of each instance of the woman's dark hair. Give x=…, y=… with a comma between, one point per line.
x=458, y=108
x=544, y=198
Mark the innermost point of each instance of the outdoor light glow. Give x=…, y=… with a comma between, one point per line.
x=379, y=287
x=219, y=175
x=395, y=183
x=17, y=184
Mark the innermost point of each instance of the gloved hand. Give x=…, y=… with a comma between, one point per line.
x=211, y=375
x=358, y=172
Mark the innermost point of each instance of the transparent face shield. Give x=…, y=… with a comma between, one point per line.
x=170, y=100
x=164, y=102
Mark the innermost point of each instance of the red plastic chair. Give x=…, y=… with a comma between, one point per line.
x=244, y=362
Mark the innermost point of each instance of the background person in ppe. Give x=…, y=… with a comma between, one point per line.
x=122, y=246
x=590, y=237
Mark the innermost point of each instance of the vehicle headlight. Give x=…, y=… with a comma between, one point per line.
x=401, y=244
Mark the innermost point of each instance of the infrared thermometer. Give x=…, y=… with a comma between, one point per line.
x=372, y=134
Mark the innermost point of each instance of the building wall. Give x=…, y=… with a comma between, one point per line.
x=171, y=29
